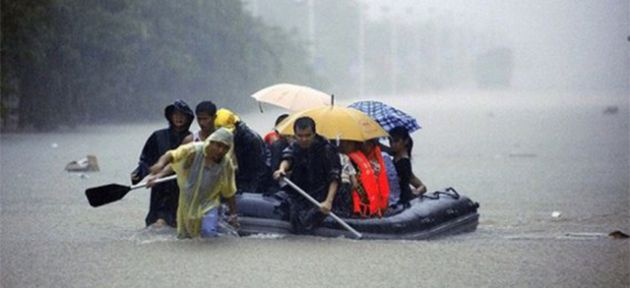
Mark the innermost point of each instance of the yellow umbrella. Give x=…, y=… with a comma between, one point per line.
x=336, y=122
x=293, y=97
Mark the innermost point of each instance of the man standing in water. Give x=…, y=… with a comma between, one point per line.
x=163, y=203
x=314, y=165
x=204, y=175
x=206, y=112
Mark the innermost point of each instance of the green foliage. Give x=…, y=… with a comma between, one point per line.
x=72, y=61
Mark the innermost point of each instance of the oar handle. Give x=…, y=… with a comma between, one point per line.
x=316, y=203
x=144, y=184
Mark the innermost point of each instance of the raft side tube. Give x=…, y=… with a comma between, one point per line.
x=423, y=214
x=462, y=224
x=430, y=216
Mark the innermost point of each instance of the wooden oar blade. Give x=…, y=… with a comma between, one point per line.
x=102, y=195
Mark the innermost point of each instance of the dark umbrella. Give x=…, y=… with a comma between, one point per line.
x=387, y=116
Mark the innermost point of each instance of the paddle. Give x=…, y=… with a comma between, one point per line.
x=331, y=214
x=101, y=195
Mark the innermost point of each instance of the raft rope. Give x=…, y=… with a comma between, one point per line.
x=450, y=192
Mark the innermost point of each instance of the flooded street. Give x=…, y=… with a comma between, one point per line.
x=521, y=158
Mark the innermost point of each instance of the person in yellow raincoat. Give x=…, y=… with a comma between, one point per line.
x=204, y=175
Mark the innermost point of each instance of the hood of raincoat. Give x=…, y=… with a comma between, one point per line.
x=226, y=119
x=221, y=135
x=181, y=106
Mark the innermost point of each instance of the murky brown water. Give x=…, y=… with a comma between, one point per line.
x=520, y=161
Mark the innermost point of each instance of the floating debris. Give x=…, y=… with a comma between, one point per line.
x=618, y=235
x=88, y=163
x=569, y=236
x=54, y=145
x=611, y=110
x=556, y=214
x=594, y=235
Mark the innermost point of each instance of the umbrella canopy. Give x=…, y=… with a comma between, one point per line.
x=293, y=97
x=387, y=116
x=334, y=122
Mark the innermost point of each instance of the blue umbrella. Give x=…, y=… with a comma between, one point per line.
x=387, y=116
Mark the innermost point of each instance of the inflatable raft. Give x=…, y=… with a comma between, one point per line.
x=436, y=214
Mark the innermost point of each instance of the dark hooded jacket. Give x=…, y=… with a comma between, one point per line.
x=164, y=197
x=313, y=170
x=251, y=154
x=275, y=157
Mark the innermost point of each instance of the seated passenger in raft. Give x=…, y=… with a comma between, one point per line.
x=410, y=185
x=372, y=196
x=348, y=181
x=274, y=135
x=315, y=168
x=392, y=175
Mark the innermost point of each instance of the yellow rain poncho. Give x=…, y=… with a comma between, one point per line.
x=201, y=185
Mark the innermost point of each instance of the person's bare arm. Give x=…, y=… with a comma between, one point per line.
x=167, y=170
x=285, y=165
x=188, y=139
x=232, y=219
x=354, y=181
x=419, y=187
x=327, y=204
x=160, y=169
x=163, y=161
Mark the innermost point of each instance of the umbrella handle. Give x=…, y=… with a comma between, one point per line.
x=312, y=200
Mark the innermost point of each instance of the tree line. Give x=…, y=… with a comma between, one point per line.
x=69, y=62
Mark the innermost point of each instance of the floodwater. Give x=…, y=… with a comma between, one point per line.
x=522, y=157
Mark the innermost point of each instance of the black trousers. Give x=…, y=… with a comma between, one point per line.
x=304, y=216
x=163, y=203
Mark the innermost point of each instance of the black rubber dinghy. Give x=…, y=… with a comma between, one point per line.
x=436, y=214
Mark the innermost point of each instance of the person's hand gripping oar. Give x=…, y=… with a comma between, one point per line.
x=101, y=195
x=281, y=176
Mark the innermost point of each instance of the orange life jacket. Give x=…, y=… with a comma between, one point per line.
x=374, y=187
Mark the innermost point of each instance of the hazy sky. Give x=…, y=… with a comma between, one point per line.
x=557, y=43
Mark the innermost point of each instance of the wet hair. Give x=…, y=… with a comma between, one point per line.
x=347, y=146
x=280, y=118
x=303, y=123
x=207, y=107
x=371, y=143
x=401, y=133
